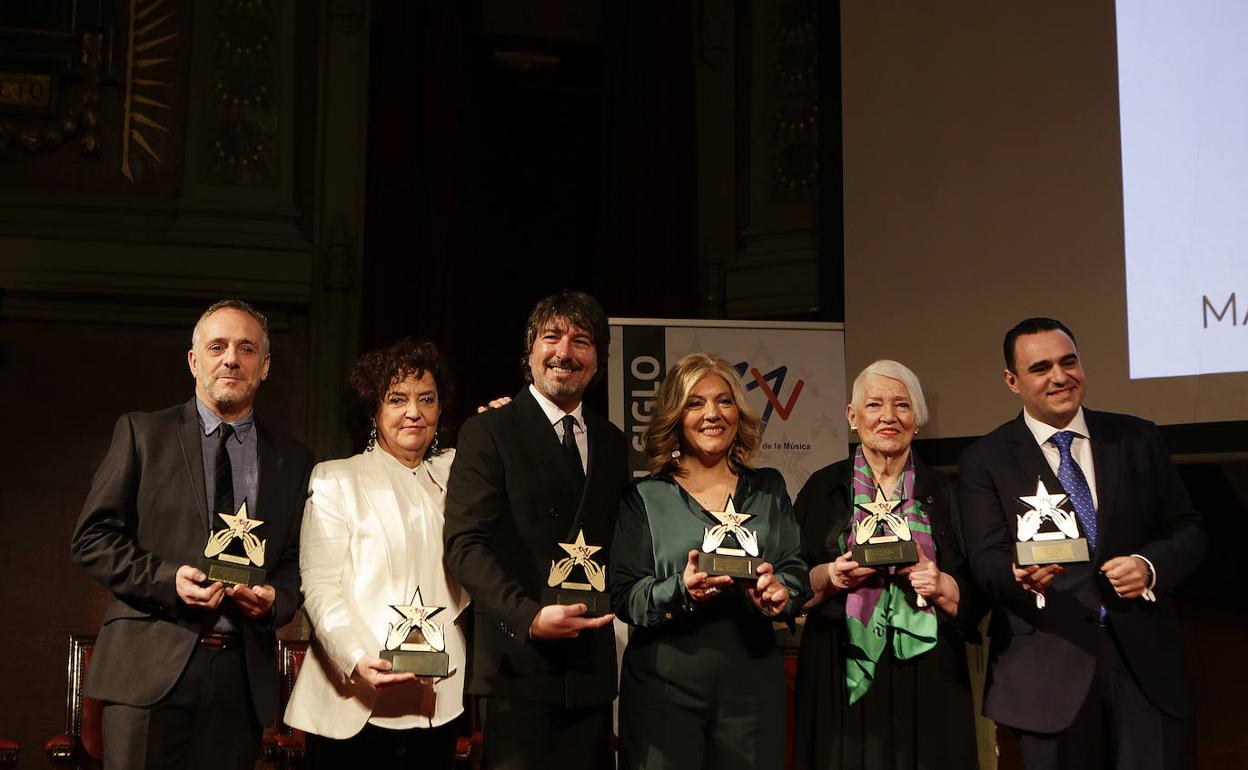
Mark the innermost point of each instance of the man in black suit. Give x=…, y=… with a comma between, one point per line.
x=1087, y=663
x=187, y=668
x=526, y=478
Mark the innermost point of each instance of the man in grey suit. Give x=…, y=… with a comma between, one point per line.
x=186, y=667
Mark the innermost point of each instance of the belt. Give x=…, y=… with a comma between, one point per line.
x=215, y=640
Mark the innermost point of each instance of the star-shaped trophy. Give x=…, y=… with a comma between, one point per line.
x=225, y=563
x=882, y=537
x=560, y=590
x=1047, y=533
x=415, y=644
x=728, y=548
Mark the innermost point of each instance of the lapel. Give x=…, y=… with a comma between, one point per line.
x=841, y=501
x=268, y=466
x=379, y=495
x=1029, y=460
x=1107, y=459
x=193, y=462
x=545, y=446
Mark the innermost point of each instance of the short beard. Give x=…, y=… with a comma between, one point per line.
x=225, y=396
x=562, y=388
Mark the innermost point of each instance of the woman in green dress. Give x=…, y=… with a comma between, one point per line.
x=703, y=683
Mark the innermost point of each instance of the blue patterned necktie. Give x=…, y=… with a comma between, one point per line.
x=1076, y=485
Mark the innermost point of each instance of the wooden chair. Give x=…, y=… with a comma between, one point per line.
x=284, y=747
x=9, y=752
x=82, y=743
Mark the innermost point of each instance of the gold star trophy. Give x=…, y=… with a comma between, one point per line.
x=593, y=594
x=882, y=537
x=720, y=556
x=225, y=564
x=416, y=644
x=1048, y=534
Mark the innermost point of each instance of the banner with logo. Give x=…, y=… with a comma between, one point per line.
x=792, y=373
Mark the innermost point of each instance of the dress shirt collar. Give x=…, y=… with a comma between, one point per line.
x=1043, y=431
x=553, y=413
x=209, y=421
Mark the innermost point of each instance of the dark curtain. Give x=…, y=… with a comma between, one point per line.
x=492, y=184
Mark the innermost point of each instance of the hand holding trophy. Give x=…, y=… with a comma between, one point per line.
x=1047, y=535
x=728, y=548
x=562, y=591
x=225, y=564
x=415, y=644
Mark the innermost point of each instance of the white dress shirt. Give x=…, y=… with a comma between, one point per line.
x=556, y=415
x=1080, y=448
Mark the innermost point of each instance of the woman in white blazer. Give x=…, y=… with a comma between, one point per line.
x=372, y=537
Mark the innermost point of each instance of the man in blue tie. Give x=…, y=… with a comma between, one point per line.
x=1094, y=676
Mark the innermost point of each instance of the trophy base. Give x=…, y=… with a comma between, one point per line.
x=418, y=662
x=596, y=603
x=738, y=567
x=885, y=554
x=234, y=574
x=1064, y=551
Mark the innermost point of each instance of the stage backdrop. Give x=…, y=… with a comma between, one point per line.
x=793, y=374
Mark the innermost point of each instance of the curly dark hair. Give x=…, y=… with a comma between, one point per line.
x=377, y=370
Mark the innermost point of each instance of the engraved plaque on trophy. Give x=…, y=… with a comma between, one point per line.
x=415, y=644
x=593, y=594
x=728, y=548
x=882, y=537
x=1047, y=534
x=235, y=555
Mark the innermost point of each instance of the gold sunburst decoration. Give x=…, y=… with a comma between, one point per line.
x=148, y=32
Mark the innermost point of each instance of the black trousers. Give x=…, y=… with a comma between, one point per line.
x=426, y=748
x=206, y=722
x=1117, y=728
x=526, y=735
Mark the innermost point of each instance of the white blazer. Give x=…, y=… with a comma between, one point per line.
x=356, y=560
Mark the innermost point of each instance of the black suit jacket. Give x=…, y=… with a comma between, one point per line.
x=511, y=499
x=1042, y=660
x=145, y=516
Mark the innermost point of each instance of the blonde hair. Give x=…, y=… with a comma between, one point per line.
x=894, y=371
x=664, y=433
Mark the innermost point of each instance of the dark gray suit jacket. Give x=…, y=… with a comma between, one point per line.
x=1042, y=660
x=511, y=499
x=145, y=516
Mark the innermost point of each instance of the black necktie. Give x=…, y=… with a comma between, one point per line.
x=570, y=450
x=223, y=474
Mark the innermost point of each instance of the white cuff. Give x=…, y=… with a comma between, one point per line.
x=1148, y=594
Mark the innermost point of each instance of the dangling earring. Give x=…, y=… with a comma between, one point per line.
x=372, y=435
x=676, y=456
x=433, y=446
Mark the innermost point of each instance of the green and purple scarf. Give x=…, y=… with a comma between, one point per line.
x=884, y=601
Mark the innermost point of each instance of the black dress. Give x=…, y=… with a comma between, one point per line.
x=918, y=713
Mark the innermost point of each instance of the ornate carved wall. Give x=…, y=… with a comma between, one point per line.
x=156, y=155
x=758, y=158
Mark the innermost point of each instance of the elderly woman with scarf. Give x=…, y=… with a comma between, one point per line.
x=882, y=680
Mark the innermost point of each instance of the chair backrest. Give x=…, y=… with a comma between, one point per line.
x=290, y=655
x=84, y=715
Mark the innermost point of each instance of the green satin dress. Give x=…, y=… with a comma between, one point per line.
x=702, y=685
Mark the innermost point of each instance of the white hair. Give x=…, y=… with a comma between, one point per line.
x=894, y=371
